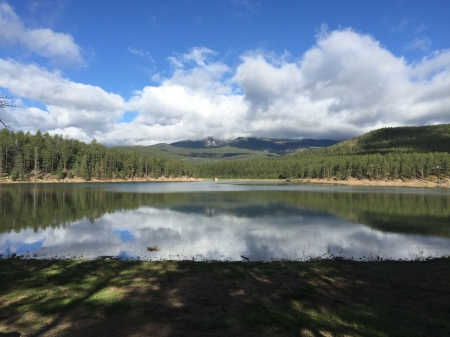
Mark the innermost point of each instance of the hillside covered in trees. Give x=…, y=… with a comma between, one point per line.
x=27, y=157
x=406, y=139
x=389, y=153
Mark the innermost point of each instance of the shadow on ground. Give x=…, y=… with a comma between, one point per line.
x=170, y=298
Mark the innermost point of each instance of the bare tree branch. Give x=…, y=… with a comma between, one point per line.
x=7, y=127
x=5, y=102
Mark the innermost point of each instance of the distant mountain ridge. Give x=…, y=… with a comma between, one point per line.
x=211, y=149
x=271, y=145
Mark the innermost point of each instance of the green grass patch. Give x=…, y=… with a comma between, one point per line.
x=281, y=298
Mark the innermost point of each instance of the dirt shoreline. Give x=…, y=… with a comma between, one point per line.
x=53, y=179
x=367, y=182
x=331, y=181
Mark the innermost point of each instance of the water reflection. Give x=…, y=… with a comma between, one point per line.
x=223, y=221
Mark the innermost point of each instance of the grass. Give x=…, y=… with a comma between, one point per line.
x=172, y=298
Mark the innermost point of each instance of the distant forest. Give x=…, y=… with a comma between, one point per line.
x=389, y=153
x=323, y=164
x=24, y=156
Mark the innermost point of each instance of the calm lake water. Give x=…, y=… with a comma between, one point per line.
x=222, y=220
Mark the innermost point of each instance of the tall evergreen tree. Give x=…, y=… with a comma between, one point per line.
x=60, y=170
x=84, y=169
x=36, y=163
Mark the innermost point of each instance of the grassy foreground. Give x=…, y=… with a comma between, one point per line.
x=182, y=298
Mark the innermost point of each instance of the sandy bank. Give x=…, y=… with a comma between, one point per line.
x=367, y=182
x=53, y=179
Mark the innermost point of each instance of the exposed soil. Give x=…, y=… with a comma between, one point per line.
x=170, y=298
x=367, y=182
x=49, y=178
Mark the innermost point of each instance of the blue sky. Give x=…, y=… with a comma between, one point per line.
x=144, y=72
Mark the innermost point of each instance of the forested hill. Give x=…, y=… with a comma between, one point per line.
x=24, y=156
x=389, y=153
x=409, y=139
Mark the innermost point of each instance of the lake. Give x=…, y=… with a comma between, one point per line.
x=222, y=220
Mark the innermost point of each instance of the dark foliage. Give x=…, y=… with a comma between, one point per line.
x=389, y=153
x=24, y=156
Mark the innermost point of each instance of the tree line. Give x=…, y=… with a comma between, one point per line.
x=388, y=153
x=24, y=156
x=325, y=164
x=422, y=139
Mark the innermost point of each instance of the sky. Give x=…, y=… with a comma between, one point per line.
x=145, y=72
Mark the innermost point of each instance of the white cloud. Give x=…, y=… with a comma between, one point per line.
x=59, y=47
x=344, y=85
x=191, y=103
x=69, y=105
x=141, y=53
x=196, y=55
x=423, y=44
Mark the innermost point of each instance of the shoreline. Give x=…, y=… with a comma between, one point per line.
x=416, y=183
x=378, y=183
x=76, y=180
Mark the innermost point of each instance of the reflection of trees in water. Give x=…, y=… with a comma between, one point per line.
x=42, y=206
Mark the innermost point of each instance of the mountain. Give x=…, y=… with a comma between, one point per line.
x=271, y=145
x=421, y=139
x=406, y=153
x=211, y=149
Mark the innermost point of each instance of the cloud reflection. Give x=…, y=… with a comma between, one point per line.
x=187, y=235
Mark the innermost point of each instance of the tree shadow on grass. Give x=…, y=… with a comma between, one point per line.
x=182, y=298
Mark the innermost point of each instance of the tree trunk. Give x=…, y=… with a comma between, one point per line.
x=36, y=161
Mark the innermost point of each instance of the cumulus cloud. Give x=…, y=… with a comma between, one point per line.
x=345, y=85
x=59, y=47
x=70, y=106
x=191, y=103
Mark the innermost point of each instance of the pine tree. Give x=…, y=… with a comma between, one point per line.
x=97, y=171
x=1, y=163
x=76, y=168
x=140, y=168
x=60, y=170
x=36, y=163
x=84, y=169
x=18, y=166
